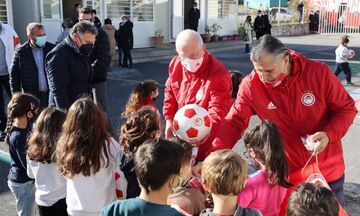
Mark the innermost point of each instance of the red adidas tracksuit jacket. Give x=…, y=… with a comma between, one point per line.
x=210, y=87
x=309, y=100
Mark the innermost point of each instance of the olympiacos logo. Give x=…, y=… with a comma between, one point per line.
x=308, y=99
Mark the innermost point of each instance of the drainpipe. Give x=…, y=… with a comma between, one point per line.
x=206, y=12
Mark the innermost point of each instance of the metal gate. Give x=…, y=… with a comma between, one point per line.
x=339, y=17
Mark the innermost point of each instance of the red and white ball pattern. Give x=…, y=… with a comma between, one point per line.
x=350, y=53
x=192, y=123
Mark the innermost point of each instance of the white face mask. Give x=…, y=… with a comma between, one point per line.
x=192, y=65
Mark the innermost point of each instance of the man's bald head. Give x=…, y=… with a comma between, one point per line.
x=188, y=42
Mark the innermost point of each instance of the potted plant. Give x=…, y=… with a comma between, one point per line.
x=158, y=39
x=214, y=29
x=207, y=36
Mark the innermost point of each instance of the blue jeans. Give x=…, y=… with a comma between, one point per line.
x=25, y=197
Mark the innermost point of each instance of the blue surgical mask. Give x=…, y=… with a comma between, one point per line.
x=40, y=41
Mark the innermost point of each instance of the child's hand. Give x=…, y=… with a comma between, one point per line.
x=196, y=170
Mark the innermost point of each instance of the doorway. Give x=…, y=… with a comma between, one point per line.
x=69, y=9
x=188, y=4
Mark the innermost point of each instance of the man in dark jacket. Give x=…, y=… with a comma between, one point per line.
x=266, y=23
x=68, y=66
x=258, y=25
x=300, y=9
x=27, y=71
x=194, y=16
x=99, y=58
x=96, y=19
x=125, y=41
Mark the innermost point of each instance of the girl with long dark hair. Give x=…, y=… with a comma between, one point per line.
x=266, y=188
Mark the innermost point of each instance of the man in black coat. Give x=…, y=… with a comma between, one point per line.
x=68, y=66
x=125, y=41
x=27, y=72
x=266, y=23
x=96, y=19
x=300, y=9
x=258, y=25
x=99, y=58
x=193, y=17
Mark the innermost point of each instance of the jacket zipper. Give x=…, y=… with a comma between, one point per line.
x=292, y=115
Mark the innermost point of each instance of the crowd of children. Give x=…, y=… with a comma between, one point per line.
x=65, y=163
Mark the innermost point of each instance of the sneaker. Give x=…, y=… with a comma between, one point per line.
x=350, y=84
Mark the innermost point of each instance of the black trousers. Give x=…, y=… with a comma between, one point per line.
x=58, y=209
x=4, y=84
x=345, y=68
x=126, y=57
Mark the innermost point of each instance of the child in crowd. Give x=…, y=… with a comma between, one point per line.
x=224, y=173
x=141, y=126
x=342, y=64
x=265, y=148
x=312, y=199
x=158, y=169
x=188, y=200
x=144, y=94
x=86, y=156
x=22, y=111
x=50, y=185
x=236, y=78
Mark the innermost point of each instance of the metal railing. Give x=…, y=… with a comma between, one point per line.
x=340, y=18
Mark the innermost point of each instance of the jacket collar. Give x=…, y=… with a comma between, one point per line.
x=71, y=43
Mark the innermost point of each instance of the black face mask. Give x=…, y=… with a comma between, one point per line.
x=154, y=99
x=86, y=49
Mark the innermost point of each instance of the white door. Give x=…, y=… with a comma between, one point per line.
x=177, y=17
x=51, y=18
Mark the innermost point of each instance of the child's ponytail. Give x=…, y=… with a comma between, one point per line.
x=266, y=141
x=137, y=96
x=19, y=105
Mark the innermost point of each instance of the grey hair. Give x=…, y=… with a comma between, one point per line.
x=268, y=45
x=30, y=28
x=83, y=27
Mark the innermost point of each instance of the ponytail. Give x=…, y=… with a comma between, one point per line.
x=137, y=96
x=19, y=105
x=266, y=141
x=8, y=128
x=138, y=128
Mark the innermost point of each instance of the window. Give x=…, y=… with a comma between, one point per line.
x=226, y=8
x=222, y=9
x=3, y=12
x=51, y=9
x=142, y=10
x=94, y=4
x=116, y=8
